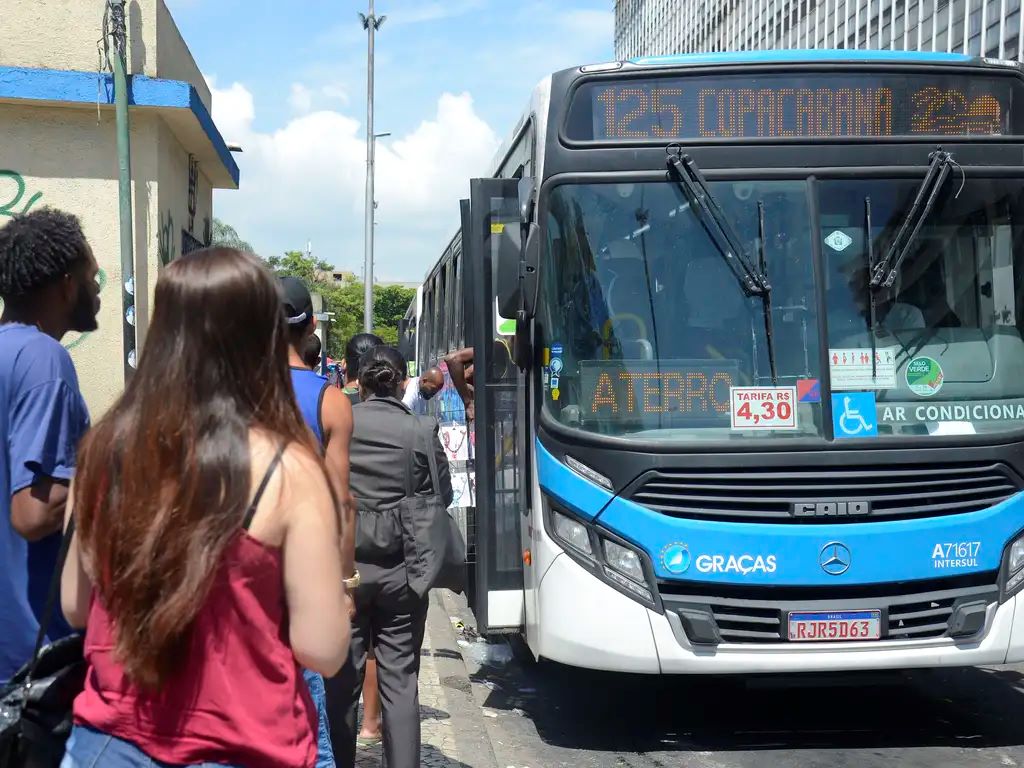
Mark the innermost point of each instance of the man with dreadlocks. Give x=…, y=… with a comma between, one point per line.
x=48, y=287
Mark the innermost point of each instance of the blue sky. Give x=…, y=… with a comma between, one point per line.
x=452, y=79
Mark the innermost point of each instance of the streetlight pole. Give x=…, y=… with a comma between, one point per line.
x=119, y=32
x=371, y=24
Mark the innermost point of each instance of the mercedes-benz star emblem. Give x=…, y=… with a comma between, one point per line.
x=835, y=558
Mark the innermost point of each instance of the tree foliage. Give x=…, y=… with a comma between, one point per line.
x=225, y=235
x=345, y=300
x=297, y=264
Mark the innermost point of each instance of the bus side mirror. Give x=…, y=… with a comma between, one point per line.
x=508, y=258
x=518, y=257
x=517, y=270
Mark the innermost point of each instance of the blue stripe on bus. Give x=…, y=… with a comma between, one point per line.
x=802, y=56
x=794, y=554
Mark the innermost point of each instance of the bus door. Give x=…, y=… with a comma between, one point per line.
x=495, y=541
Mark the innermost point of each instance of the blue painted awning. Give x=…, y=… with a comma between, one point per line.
x=178, y=100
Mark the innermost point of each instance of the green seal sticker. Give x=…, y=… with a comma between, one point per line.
x=924, y=376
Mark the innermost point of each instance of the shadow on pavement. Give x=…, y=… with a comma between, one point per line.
x=430, y=757
x=430, y=713
x=585, y=710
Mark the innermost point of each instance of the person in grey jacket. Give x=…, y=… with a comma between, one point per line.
x=390, y=614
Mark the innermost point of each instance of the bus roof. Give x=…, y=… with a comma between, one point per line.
x=801, y=56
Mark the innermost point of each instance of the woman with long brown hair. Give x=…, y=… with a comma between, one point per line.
x=206, y=565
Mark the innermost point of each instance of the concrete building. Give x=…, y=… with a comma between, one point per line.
x=339, y=276
x=993, y=28
x=59, y=148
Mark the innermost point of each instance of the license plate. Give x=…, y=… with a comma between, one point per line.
x=837, y=626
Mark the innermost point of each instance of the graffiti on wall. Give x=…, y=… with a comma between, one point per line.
x=12, y=192
x=13, y=201
x=193, y=183
x=165, y=247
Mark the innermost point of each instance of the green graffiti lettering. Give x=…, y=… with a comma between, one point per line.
x=165, y=245
x=10, y=207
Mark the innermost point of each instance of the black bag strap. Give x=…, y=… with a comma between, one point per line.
x=251, y=511
x=435, y=475
x=51, y=598
x=320, y=417
x=413, y=426
x=410, y=450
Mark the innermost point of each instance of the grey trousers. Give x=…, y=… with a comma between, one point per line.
x=391, y=618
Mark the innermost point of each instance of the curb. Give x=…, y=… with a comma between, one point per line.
x=468, y=725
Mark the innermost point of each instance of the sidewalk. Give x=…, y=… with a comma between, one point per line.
x=453, y=732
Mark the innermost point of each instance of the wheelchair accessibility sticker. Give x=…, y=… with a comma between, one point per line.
x=853, y=415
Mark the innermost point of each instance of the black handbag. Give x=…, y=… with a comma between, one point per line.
x=35, y=706
x=452, y=573
x=435, y=553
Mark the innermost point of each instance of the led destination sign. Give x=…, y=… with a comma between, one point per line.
x=812, y=105
x=669, y=392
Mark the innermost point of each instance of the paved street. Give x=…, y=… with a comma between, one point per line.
x=452, y=726
x=488, y=706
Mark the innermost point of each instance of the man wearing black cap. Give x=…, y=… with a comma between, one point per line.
x=326, y=410
x=328, y=413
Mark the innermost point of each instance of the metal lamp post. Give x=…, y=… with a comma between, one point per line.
x=371, y=24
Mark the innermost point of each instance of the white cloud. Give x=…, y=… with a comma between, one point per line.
x=301, y=98
x=306, y=181
x=335, y=92
x=234, y=109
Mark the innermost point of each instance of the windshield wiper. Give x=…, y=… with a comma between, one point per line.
x=718, y=226
x=753, y=280
x=939, y=165
x=872, y=305
x=766, y=297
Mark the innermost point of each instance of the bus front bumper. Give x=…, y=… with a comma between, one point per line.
x=584, y=622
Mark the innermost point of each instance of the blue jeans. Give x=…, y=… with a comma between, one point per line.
x=324, y=749
x=91, y=749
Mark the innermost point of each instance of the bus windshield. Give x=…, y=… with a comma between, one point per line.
x=648, y=333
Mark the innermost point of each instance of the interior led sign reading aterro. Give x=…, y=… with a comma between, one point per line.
x=818, y=105
x=665, y=393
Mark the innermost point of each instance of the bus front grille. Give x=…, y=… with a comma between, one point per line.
x=910, y=611
x=811, y=495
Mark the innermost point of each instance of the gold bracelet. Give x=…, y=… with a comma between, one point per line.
x=352, y=582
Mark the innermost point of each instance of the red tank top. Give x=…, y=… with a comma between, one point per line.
x=239, y=698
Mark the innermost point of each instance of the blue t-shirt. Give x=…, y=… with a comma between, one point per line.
x=43, y=416
x=309, y=391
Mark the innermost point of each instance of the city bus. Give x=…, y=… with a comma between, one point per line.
x=407, y=337
x=749, y=380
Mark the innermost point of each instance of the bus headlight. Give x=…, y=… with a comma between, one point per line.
x=1013, y=565
x=625, y=561
x=623, y=567
x=1017, y=555
x=613, y=561
x=572, y=532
